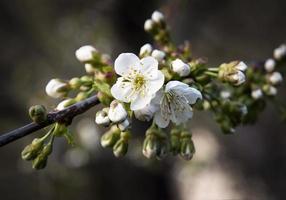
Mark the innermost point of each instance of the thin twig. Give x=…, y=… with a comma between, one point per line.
x=56, y=116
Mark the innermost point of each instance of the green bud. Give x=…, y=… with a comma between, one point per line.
x=81, y=96
x=75, y=83
x=104, y=98
x=38, y=113
x=86, y=80
x=32, y=150
x=150, y=146
x=47, y=150
x=187, y=148
x=175, y=141
x=40, y=161
x=120, y=148
x=109, y=138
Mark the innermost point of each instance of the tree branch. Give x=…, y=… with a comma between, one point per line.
x=55, y=116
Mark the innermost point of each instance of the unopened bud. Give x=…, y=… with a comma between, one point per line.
x=158, y=55
x=75, y=83
x=145, y=50
x=120, y=148
x=275, y=78
x=40, y=161
x=90, y=68
x=109, y=138
x=280, y=52
x=38, y=113
x=117, y=112
x=257, y=94
x=148, y=25
x=57, y=88
x=269, y=65
x=157, y=16
x=175, y=141
x=150, y=146
x=86, y=53
x=123, y=126
x=102, y=117
x=187, y=148
x=180, y=67
x=65, y=103
x=32, y=150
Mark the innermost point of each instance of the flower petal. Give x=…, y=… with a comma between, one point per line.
x=172, y=84
x=122, y=90
x=140, y=102
x=125, y=62
x=155, y=84
x=161, y=121
x=149, y=66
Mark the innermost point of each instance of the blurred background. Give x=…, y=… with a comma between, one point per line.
x=38, y=41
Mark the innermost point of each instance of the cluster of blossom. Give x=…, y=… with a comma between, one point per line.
x=162, y=86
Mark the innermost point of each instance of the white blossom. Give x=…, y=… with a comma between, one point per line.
x=102, y=117
x=56, y=88
x=139, y=81
x=146, y=49
x=174, y=103
x=157, y=16
x=86, y=53
x=146, y=113
x=158, y=55
x=243, y=110
x=123, y=126
x=148, y=25
x=180, y=67
x=280, y=52
x=275, y=78
x=117, y=112
x=257, y=94
x=269, y=65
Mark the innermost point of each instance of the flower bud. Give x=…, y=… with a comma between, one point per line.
x=146, y=113
x=89, y=68
x=65, y=103
x=225, y=94
x=175, y=141
x=187, y=148
x=232, y=72
x=163, y=150
x=40, y=161
x=57, y=88
x=86, y=53
x=109, y=138
x=38, y=113
x=102, y=117
x=257, y=94
x=269, y=65
x=120, y=148
x=150, y=146
x=158, y=55
x=75, y=83
x=148, y=25
x=32, y=150
x=270, y=90
x=180, y=67
x=123, y=126
x=117, y=112
x=275, y=78
x=157, y=16
x=280, y=52
x=145, y=50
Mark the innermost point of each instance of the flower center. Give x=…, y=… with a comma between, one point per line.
x=139, y=81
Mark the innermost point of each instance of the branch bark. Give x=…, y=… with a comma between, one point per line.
x=55, y=116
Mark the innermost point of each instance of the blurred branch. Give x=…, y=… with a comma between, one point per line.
x=59, y=116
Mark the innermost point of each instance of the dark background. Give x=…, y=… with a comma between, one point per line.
x=38, y=39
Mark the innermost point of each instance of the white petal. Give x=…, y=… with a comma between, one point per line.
x=149, y=66
x=160, y=121
x=140, y=102
x=125, y=62
x=172, y=84
x=193, y=95
x=122, y=90
x=155, y=84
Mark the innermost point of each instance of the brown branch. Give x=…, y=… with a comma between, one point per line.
x=56, y=116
